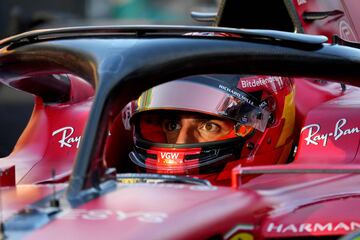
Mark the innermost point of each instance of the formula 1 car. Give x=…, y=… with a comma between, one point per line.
x=56, y=104
x=73, y=70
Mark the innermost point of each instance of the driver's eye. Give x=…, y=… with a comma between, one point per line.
x=210, y=127
x=170, y=125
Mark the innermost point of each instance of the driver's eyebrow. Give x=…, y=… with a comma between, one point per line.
x=203, y=119
x=195, y=117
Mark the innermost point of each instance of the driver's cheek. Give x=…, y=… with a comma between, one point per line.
x=206, y=136
x=171, y=137
x=195, y=134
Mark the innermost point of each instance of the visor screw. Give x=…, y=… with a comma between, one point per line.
x=250, y=145
x=268, y=141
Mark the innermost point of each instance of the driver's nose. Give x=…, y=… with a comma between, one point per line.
x=186, y=133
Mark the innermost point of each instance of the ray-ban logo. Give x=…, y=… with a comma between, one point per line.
x=67, y=139
x=340, y=130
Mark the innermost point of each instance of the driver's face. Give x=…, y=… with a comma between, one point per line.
x=183, y=127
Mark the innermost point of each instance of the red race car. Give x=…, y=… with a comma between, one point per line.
x=272, y=175
x=36, y=153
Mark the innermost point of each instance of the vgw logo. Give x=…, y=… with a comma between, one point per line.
x=170, y=157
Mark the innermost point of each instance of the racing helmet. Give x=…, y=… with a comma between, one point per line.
x=260, y=111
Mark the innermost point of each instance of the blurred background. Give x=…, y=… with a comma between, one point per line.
x=22, y=15
x=17, y=16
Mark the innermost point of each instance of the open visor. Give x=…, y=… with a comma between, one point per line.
x=215, y=99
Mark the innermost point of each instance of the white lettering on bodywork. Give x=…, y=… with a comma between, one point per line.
x=339, y=131
x=66, y=137
x=150, y=217
x=313, y=227
x=104, y=214
x=346, y=31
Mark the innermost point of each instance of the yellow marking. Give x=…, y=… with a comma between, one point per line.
x=129, y=180
x=242, y=236
x=289, y=117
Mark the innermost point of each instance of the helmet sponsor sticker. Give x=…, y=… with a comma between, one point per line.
x=236, y=94
x=257, y=81
x=66, y=137
x=170, y=158
x=314, y=136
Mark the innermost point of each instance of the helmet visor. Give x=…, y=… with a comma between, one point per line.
x=178, y=127
x=217, y=100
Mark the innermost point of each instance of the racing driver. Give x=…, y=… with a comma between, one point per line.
x=205, y=125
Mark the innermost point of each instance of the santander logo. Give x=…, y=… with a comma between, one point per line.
x=340, y=130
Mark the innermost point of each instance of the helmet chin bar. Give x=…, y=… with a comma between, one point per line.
x=197, y=158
